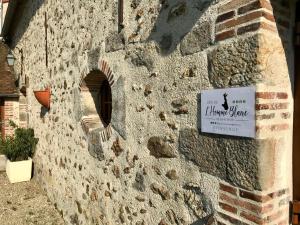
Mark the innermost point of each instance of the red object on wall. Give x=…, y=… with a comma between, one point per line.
x=43, y=97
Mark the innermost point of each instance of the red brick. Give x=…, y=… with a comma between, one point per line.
x=255, y=15
x=101, y=65
x=253, y=6
x=296, y=207
x=244, y=19
x=270, y=128
x=295, y=219
x=229, y=189
x=272, y=106
x=256, y=26
x=252, y=218
x=228, y=199
x=255, y=208
x=249, y=28
x=234, y=4
x=272, y=95
x=266, y=5
x=245, y=204
x=262, y=106
x=105, y=65
x=226, y=25
x=268, y=16
x=265, y=116
x=228, y=208
x=250, y=206
x=225, y=35
x=254, y=197
x=225, y=16
x=282, y=95
x=279, y=127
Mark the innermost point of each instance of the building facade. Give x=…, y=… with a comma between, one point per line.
x=10, y=94
x=122, y=140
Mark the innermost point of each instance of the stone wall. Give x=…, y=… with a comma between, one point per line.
x=23, y=111
x=11, y=113
x=152, y=164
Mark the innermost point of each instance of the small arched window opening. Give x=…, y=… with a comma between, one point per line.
x=97, y=97
x=105, y=100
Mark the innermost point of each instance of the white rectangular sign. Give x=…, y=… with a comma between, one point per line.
x=229, y=111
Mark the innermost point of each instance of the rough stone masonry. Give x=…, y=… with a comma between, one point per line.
x=152, y=165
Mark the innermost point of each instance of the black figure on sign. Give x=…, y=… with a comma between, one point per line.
x=225, y=105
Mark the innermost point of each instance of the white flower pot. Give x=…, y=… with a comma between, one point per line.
x=3, y=160
x=19, y=171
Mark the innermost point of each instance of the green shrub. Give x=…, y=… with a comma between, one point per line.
x=21, y=146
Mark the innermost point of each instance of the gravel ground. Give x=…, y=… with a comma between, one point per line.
x=25, y=204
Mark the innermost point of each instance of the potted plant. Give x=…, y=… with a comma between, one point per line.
x=19, y=150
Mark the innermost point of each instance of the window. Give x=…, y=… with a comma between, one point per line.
x=97, y=100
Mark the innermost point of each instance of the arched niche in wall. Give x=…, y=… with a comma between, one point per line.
x=103, y=107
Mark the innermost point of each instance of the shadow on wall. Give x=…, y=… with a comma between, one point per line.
x=204, y=221
x=92, y=84
x=283, y=14
x=176, y=19
x=22, y=15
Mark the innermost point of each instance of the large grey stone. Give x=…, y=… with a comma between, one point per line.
x=235, y=63
x=177, y=10
x=95, y=145
x=161, y=190
x=93, y=59
x=204, y=152
x=114, y=42
x=135, y=3
x=175, y=20
x=23, y=116
x=197, y=40
x=166, y=42
x=198, y=203
x=242, y=163
x=118, y=116
x=235, y=160
x=139, y=183
x=141, y=57
x=159, y=148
